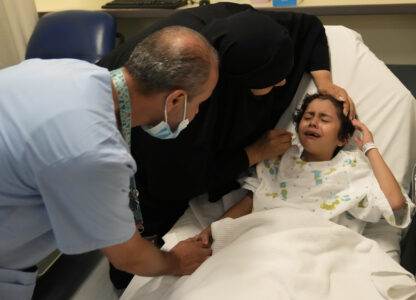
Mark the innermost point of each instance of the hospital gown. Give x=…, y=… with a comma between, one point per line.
x=343, y=190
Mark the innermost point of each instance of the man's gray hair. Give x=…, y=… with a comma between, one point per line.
x=163, y=61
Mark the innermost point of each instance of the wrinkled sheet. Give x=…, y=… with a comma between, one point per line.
x=283, y=254
x=288, y=253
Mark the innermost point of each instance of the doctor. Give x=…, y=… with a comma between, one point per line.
x=65, y=169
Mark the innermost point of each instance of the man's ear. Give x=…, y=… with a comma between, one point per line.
x=174, y=99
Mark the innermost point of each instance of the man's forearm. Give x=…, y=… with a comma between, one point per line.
x=148, y=261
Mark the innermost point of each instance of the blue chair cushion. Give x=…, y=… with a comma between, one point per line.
x=85, y=35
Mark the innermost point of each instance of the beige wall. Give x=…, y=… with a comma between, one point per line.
x=17, y=20
x=391, y=37
x=53, y=5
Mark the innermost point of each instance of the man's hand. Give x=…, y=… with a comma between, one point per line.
x=273, y=143
x=189, y=255
x=141, y=257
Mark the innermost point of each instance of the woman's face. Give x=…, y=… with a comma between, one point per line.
x=318, y=130
x=266, y=90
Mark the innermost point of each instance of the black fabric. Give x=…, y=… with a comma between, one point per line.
x=120, y=279
x=251, y=58
x=209, y=155
x=408, y=248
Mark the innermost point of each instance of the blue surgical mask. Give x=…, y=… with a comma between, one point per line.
x=162, y=130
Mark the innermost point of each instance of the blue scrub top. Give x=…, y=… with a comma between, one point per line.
x=64, y=167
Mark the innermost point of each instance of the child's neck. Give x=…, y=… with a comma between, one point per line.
x=309, y=157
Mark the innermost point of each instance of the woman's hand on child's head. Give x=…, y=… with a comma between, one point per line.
x=366, y=135
x=205, y=236
x=273, y=143
x=341, y=95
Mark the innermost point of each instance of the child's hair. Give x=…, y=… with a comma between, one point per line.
x=346, y=130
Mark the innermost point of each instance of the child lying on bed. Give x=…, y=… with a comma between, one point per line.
x=342, y=186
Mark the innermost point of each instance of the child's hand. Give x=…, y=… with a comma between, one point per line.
x=205, y=236
x=367, y=136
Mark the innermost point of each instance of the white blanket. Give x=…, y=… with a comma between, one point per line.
x=292, y=254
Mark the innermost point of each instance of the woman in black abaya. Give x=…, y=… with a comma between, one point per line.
x=263, y=56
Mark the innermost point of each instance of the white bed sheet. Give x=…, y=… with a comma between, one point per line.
x=274, y=254
x=382, y=102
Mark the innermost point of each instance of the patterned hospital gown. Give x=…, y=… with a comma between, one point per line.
x=343, y=190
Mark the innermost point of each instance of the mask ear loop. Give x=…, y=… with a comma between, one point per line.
x=184, y=109
x=166, y=113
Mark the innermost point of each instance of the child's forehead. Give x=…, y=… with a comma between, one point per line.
x=322, y=105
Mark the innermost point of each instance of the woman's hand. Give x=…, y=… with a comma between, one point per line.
x=366, y=135
x=341, y=95
x=324, y=84
x=205, y=236
x=273, y=143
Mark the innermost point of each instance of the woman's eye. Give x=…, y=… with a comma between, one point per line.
x=325, y=120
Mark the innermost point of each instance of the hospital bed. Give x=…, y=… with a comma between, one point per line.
x=389, y=110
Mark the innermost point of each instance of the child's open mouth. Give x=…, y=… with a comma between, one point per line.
x=311, y=134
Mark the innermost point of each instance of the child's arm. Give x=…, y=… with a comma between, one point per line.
x=242, y=208
x=384, y=176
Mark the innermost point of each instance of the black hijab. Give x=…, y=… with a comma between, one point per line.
x=256, y=50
